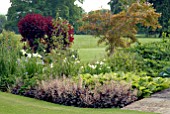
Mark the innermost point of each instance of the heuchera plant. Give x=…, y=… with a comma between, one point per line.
x=37, y=29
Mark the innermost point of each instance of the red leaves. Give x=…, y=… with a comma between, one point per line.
x=34, y=26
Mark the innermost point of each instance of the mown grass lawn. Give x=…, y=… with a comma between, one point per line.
x=13, y=104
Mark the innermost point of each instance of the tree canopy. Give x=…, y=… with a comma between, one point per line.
x=161, y=6
x=62, y=8
x=2, y=22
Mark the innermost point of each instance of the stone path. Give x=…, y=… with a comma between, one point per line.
x=158, y=103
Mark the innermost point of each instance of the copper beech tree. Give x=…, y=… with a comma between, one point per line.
x=119, y=30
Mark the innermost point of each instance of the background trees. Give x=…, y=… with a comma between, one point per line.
x=60, y=8
x=2, y=22
x=161, y=6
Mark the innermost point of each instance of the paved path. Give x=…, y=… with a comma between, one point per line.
x=158, y=103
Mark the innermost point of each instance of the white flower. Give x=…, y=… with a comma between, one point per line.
x=97, y=62
x=23, y=52
x=82, y=67
x=28, y=55
x=51, y=65
x=77, y=62
x=101, y=63
x=37, y=55
x=93, y=66
x=89, y=65
x=73, y=56
x=65, y=60
x=34, y=54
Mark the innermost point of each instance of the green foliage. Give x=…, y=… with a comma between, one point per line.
x=125, y=61
x=163, y=7
x=64, y=63
x=31, y=66
x=64, y=8
x=2, y=22
x=9, y=53
x=155, y=56
x=145, y=85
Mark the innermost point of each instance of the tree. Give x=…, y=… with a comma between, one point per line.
x=115, y=6
x=119, y=30
x=64, y=8
x=19, y=8
x=2, y=22
x=163, y=7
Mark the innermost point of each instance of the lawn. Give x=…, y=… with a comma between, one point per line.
x=13, y=104
x=89, y=50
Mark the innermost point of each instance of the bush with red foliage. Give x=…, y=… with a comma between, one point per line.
x=35, y=26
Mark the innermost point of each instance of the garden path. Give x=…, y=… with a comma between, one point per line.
x=158, y=103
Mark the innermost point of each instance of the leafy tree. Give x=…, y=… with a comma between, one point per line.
x=119, y=5
x=163, y=7
x=64, y=8
x=19, y=8
x=67, y=10
x=115, y=6
x=119, y=30
x=2, y=22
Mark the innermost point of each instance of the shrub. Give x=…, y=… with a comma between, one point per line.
x=125, y=61
x=155, y=56
x=44, y=33
x=67, y=92
x=33, y=26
